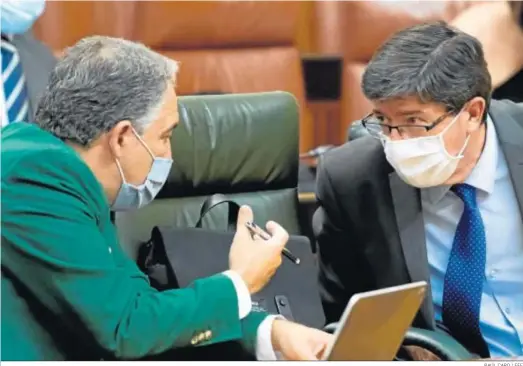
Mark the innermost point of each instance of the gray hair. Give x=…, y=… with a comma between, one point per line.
x=101, y=81
x=433, y=62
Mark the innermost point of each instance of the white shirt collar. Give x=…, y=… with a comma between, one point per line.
x=483, y=175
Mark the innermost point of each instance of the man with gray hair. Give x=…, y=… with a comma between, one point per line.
x=101, y=141
x=434, y=194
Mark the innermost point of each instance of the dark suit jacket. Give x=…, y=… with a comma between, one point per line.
x=37, y=63
x=369, y=225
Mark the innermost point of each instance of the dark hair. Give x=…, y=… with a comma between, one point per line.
x=434, y=62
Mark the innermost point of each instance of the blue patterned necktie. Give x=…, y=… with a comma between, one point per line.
x=465, y=275
x=15, y=89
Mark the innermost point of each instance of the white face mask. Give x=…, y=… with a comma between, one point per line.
x=423, y=161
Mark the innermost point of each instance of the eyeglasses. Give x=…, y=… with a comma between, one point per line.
x=377, y=129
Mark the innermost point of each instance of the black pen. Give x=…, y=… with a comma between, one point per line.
x=256, y=230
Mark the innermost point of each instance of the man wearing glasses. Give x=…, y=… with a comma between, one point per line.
x=435, y=192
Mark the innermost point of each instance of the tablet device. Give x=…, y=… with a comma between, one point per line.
x=374, y=323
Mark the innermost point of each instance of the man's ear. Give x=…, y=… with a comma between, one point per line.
x=120, y=136
x=476, y=109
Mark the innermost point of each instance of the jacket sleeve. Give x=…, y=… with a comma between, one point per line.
x=52, y=245
x=343, y=270
x=250, y=325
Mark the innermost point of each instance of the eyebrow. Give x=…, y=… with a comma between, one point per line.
x=402, y=113
x=170, y=128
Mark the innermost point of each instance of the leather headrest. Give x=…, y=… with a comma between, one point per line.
x=234, y=143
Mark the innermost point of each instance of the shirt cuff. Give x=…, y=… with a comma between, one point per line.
x=244, y=297
x=264, y=348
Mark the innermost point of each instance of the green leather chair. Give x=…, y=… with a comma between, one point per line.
x=356, y=130
x=244, y=146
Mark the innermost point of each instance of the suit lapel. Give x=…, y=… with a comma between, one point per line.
x=510, y=135
x=411, y=230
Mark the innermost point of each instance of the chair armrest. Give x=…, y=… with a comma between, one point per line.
x=437, y=342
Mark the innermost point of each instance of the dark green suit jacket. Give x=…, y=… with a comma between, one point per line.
x=68, y=289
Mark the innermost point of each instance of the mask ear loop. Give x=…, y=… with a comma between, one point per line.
x=144, y=144
x=460, y=154
x=120, y=170
x=122, y=175
x=146, y=148
x=442, y=142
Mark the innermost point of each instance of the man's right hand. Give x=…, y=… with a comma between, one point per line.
x=256, y=260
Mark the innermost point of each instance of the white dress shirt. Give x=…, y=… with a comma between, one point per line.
x=501, y=313
x=264, y=349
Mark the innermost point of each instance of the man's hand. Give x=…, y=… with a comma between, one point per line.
x=297, y=342
x=256, y=260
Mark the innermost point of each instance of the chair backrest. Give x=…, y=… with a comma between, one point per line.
x=241, y=145
x=356, y=130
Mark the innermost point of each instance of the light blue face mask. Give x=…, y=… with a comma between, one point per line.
x=132, y=197
x=17, y=16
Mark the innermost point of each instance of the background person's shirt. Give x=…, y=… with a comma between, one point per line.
x=3, y=109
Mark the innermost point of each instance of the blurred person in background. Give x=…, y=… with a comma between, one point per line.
x=26, y=63
x=498, y=26
x=434, y=194
x=102, y=140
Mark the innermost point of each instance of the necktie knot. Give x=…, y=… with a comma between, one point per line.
x=466, y=193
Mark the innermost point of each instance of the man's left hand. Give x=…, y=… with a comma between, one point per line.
x=297, y=342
